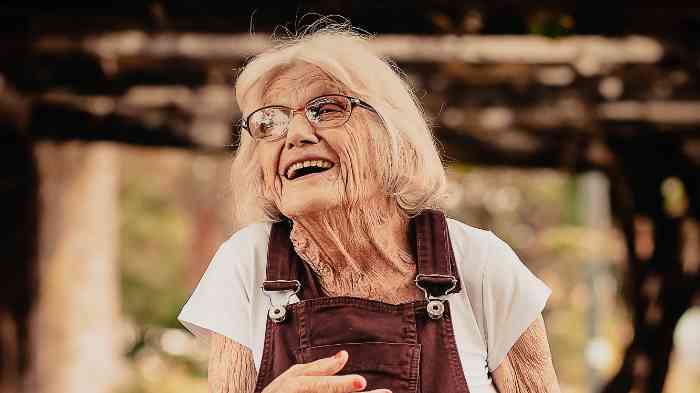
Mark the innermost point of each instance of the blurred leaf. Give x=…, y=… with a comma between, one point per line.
x=153, y=241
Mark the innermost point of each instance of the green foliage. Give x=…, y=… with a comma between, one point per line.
x=573, y=201
x=153, y=236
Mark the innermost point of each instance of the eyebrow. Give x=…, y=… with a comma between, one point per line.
x=325, y=87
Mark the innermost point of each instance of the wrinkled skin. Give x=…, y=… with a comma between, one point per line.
x=342, y=219
x=352, y=235
x=349, y=182
x=527, y=368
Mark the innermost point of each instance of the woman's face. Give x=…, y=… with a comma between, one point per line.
x=342, y=157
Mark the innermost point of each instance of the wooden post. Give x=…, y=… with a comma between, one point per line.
x=657, y=287
x=19, y=244
x=75, y=324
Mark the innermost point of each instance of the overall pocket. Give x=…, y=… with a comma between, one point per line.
x=393, y=366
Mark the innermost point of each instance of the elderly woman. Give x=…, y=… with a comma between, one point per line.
x=346, y=276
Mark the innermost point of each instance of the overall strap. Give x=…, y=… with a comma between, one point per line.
x=281, y=274
x=436, y=268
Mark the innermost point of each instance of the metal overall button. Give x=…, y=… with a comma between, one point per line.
x=278, y=312
x=435, y=309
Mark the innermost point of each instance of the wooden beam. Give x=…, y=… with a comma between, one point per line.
x=471, y=49
x=202, y=119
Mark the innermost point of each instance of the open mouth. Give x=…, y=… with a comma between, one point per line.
x=303, y=168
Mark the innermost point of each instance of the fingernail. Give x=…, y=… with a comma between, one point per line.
x=339, y=355
x=359, y=383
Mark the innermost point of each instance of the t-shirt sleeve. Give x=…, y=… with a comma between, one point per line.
x=513, y=297
x=220, y=302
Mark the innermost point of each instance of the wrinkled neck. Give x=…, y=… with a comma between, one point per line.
x=359, y=252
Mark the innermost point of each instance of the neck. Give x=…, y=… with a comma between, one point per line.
x=359, y=251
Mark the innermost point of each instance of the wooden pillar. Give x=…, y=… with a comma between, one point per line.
x=657, y=287
x=18, y=181
x=75, y=326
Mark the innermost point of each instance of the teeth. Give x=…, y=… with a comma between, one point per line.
x=302, y=164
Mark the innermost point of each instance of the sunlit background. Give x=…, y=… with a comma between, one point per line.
x=573, y=137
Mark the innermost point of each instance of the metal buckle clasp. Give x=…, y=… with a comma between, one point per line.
x=278, y=312
x=436, y=304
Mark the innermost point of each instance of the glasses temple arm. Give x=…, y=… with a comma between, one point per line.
x=363, y=104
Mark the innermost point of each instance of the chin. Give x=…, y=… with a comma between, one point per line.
x=303, y=205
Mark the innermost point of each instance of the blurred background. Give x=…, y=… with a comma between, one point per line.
x=571, y=132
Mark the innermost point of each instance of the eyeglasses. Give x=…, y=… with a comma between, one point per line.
x=271, y=122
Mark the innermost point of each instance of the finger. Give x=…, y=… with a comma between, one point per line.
x=332, y=384
x=324, y=366
x=327, y=366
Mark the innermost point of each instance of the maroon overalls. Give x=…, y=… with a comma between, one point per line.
x=405, y=347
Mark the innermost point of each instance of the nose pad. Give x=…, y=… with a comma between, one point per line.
x=300, y=131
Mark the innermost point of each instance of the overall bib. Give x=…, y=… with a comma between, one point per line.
x=408, y=348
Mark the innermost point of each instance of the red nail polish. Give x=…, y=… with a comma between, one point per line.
x=359, y=383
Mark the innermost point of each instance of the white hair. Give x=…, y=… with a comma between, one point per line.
x=410, y=167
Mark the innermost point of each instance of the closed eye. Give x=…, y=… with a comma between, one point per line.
x=330, y=108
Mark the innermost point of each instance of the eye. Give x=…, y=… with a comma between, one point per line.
x=268, y=121
x=328, y=109
x=331, y=107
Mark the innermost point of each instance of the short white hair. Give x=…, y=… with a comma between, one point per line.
x=410, y=166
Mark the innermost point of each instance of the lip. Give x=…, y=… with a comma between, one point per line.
x=310, y=176
x=285, y=167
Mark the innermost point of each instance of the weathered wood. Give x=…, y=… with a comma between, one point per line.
x=657, y=287
x=18, y=270
x=528, y=136
x=470, y=49
x=75, y=348
x=110, y=63
x=64, y=122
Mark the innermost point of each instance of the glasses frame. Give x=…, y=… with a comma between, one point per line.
x=354, y=102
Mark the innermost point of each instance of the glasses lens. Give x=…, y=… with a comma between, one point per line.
x=329, y=111
x=268, y=122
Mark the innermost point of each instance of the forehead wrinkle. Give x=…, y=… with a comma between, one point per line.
x=295, y=91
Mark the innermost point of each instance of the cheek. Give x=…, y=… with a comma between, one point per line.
x=356, y=155
x=268, y=158
x=359, y=151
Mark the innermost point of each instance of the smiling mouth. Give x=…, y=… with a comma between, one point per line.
x=303, y=168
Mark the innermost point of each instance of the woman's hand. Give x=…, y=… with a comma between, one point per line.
x=319, y=377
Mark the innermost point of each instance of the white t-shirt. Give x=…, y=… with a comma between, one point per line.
x=499, y=299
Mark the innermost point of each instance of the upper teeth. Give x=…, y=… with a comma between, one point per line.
x=302, y=164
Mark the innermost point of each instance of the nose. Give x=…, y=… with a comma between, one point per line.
x=300, y=132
